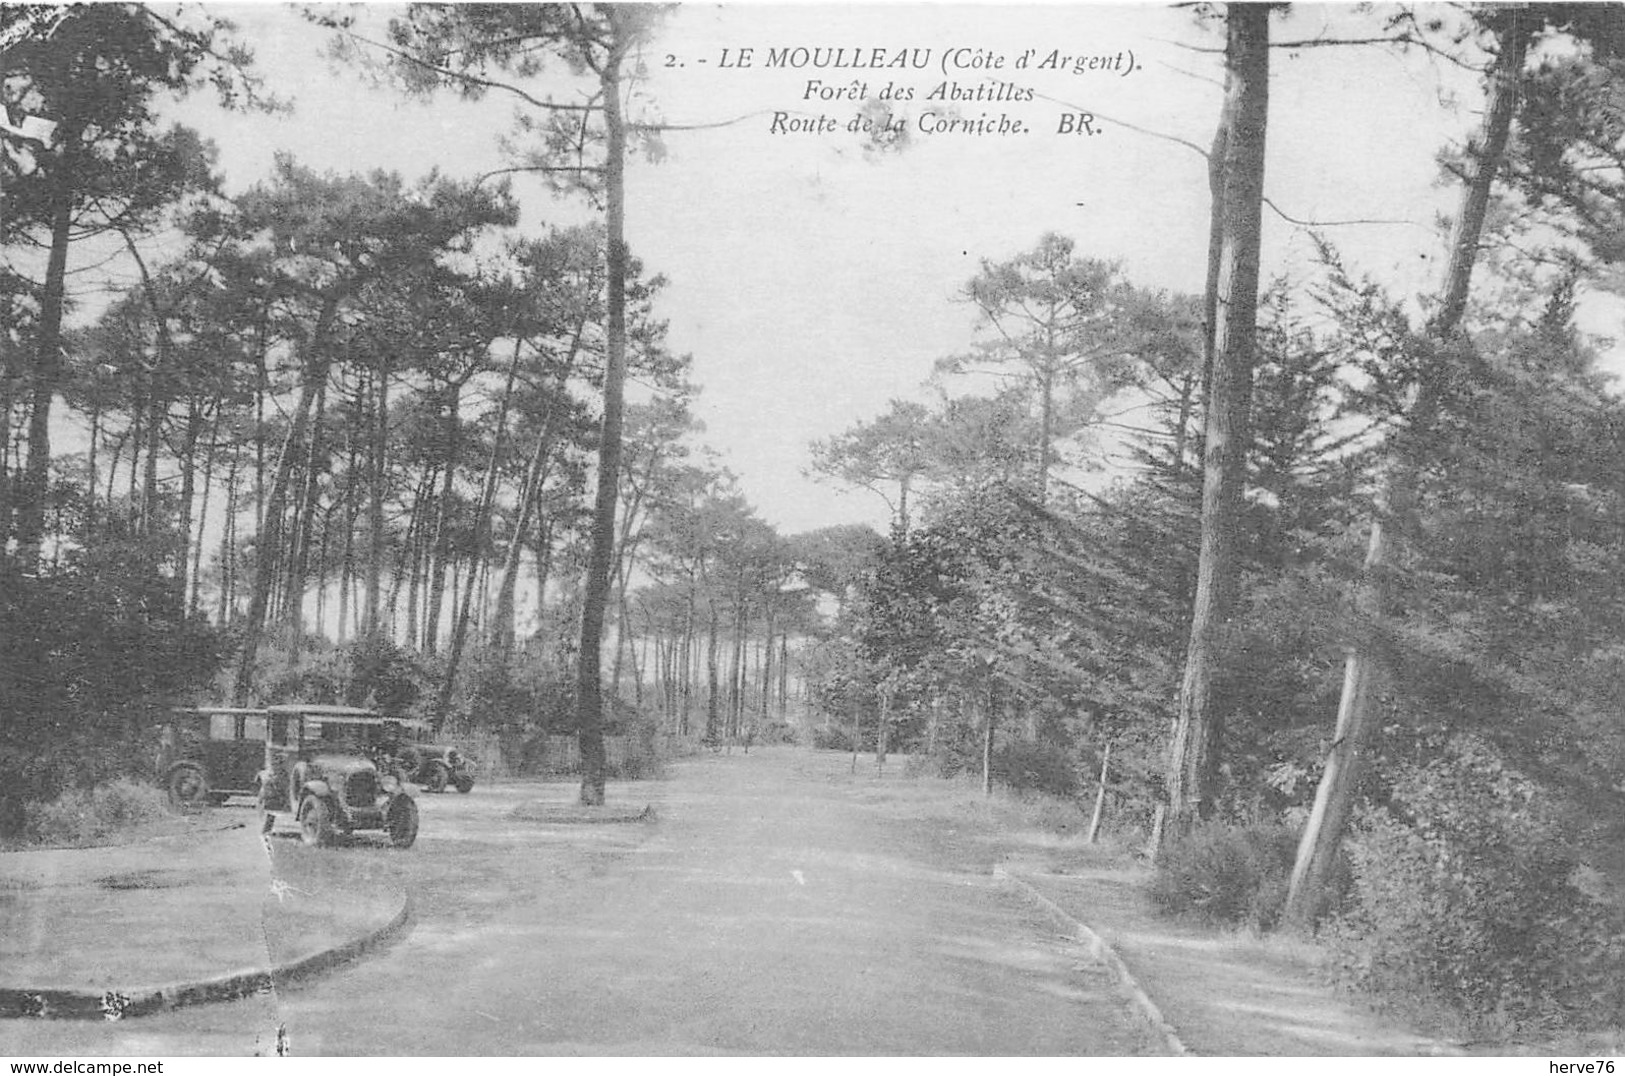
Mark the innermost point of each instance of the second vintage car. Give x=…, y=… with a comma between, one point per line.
x=332, y=768
x=433, y=765
x=210, y=753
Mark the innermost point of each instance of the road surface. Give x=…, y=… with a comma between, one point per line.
x=778, y=905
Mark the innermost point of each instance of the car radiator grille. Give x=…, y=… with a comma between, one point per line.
x=361, y=789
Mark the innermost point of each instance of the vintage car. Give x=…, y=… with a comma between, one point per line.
x=433, y=765
x=210, y=753
x=333, y=769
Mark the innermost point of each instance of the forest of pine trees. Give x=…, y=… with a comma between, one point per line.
x=1351, y=612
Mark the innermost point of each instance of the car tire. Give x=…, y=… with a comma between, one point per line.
x=187, y=787
x=403, y=822
x=465, y=784
x=435, y=776
x=315, y=823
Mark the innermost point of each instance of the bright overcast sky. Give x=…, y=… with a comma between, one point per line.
x=812, y=283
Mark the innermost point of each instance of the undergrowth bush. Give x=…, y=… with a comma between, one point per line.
x=93, y=816
x=832, y=738
x=1465, y=896
x=1035, y=766
x=640, y=758
x=1227, y=875
x=777, y=732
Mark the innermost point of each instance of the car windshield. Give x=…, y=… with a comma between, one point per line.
x=350, y=735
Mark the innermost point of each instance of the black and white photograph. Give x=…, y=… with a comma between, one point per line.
x=882, y=531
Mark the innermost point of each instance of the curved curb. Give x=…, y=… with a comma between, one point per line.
x=1101, y=951
x=57, y=1004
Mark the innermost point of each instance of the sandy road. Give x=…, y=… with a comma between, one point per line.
x=778, y=906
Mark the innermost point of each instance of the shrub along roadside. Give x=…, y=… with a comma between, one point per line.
x=1227, y=875
x=1465, y=894
x=1460, y=898
x=105, y=814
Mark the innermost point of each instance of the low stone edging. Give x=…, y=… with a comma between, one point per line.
x=60, y=1004
x=1105, y=954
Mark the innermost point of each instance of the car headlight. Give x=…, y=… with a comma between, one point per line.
x=389, y=783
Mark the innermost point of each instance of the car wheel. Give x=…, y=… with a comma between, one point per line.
x=315, y=825
x=403, y=822
x=187, y=788
x=465, y=783
x=434, y=777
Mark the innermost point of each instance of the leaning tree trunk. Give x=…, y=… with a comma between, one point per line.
x=299, y=551
x=988, y=721
x=269, y=539
x=476, y=557
x=589, y=686
x=1362, y=669
x=1235, y=314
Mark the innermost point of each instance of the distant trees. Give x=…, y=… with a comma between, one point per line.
x=461, y=47
x=99, y=166
x=1061, y=334
x=888, y=455
x=91, y=614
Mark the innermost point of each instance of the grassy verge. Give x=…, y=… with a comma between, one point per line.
x=121, y=812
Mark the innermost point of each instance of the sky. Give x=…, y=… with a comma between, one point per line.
x=811, y=281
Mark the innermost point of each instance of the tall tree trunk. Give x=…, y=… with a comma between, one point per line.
x=323, y=553
x=10, y=380
x=736, y=668
x=181, y=542
x=589, y=692
x=351, y=514
x=372, y=621
x=299, y=551
x=194, y=604
x=262, y=389
x=34, y=489
x=784, y=676
x=442, y=530
x=269, y=538
x=713, y=729
x=685, y=673
x=228, y=545
x=1362, y=669
x=989, y=719
x=157, y=401
x=1100, y=795
x=503, y=628
x=1046, y=431
x=530, y=492
x=408, y=564
x=767, y=667
x=477, y=557
x=1198, y=730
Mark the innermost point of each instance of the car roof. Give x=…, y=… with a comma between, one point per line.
x=327, y=713
x=209, y=710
